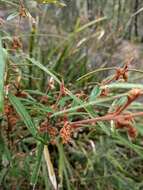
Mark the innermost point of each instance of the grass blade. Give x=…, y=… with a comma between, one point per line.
x=85, y=105
x=23, y=114
x=90, y=24
x=2, y=69
x=42, y=67
x=123, y=85
x=36, y=170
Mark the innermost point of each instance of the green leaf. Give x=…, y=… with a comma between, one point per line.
x=63, y=101
x=42, y=67
x=64, y=167
x=90, y=24
x=136, y=148
x=85, y=105
x=104, y=128
x=91, y=73
x=117, y=103
x=10, y=3
x=56, y=2
x=123, y=85
x=61, y=162
x=94, y=93
x=35, y=172
x=2, y=70
x=26, y=118
x=12, y=16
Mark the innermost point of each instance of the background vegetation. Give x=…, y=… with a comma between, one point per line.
x=71, y=108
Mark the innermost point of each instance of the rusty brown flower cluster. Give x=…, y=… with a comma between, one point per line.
x=11, y=116
x=63, y=128
x=66, y=132
x=121, y=73
x=16, y=43
x=127, y=124
x=22, y=10
x=45, y=127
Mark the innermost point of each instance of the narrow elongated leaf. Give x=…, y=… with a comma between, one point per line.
x=123, y=85
x=23, y=114
x=91, y=73
x=64, y=167
x=90, y=24
x=134, y=147
x=50, y=168
x=42, y=67
x=35, y=173
x=2, y=69
x=85, y=105
x=10, y=3
x=61, y=162
x=12, y=16
x=46, y=177
x=117, y=103
x=56, y=2
x=94, y=93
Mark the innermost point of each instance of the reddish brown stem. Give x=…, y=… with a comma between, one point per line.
x=107, y=117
